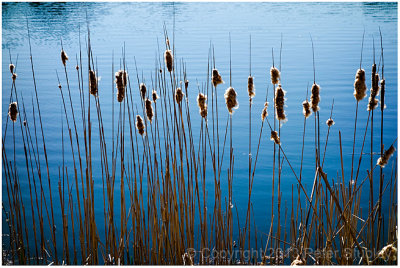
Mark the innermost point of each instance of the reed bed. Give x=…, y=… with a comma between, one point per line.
x=155, y=206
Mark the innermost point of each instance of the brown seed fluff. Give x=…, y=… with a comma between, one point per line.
x=330, y=122
x=64, y=57
x=201, y=102
x=143, y=90
x=169, y=60
x=140, y=125
x=383, y=160
x=275, y=75
x=149, y=110
x=279, y=103
x=372, y=101
x=250, y=87
x=306, y=109
x=264, y=112
x=13, y=111
x=216, y=78
x=314, y=99
x=275, y=137
x=12, y=67
x=360, y=87
x=92, y=82
x=178, y=95
x=154, y=96
x=230, y=99
x=120, y=82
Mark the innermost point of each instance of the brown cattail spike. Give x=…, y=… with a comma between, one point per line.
x=216, y=78
x=77, y=67
x=383, y=105
x=13, y=111
x=186, y=85
x=383, y=160
x=12, y=67
x=201, y=102
x=230, y=99
x=64, y=57
x=120, y=82
x=154, y=96
x=140, y=125
x=372, y=101
x=92, y=82
x=143, y=90
x=306, y=109
x=330, y=122
x=178, y=95
x=280, y=103
x=169, y=60
x=149, y=110
x=264, y=112
x=360, y=87
x=314, y=99
x=275, y=75
x=250, y=87
x=14, y=76
x=275, y=137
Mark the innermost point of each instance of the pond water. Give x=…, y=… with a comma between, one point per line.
x=336, y=30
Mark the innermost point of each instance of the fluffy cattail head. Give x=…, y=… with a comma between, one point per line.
x=12, y=67
x=178, y=95
x=120, y=81
x=275, y=75
x=250, y=87
x=360, y=87
x=201, y=102
x=383, y=160
x=298, y=261
x=143, y=90
x=330, y=122
x=149, y=110
x=372, y=101
x=306, y=109
x=64, y=57
x=280, y=103
x=14, y=76
x=154, y=96
x=275, y=137
x=388, y=252
x=169, y=60
x=230, y=99
x=216, y=78
x=92, y=82
x=264, y=112
x=140, y=125
x=314, y=99
x=13, y=111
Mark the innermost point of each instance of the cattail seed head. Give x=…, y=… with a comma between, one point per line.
x=154, y=96
x=388, y=252
x=280, y=103
x=275, y=75
x=13, y=111
x=264, y=112
x=12, y=67
x=360, y=87
x=330, y=122
x=14, y=76
x=77, y=67
x=201, y=102
x=383, y=160
x=216, y=78
x=169, y=60
x=383, y=105
x=149, y=110
x=314, y=99
x=120, y=81
x=178, y=95
x=93, y=82
x=24, y=123
x=250, y=87
x=372, y=101
x=298, y=261
x=230, y=99
x=275, y=137
x=306, y=109
x=143, y=90
x=64, y=57
x=186, y=84
x=140, y=125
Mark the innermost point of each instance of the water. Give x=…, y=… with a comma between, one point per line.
x=336, y=29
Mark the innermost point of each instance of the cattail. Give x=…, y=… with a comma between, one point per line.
x=77, y=67
x=120, y=84
x=24, y=123
x=372, y=101
x=279, y=103
x=93, y=82
x=186, y=85
x=297, y=261
x=250, y=87
x=230, y=99
x=143, y=90
x=383, y=105
x=14, y=76
x=275, y=137
x=216, y=78
x=275, y=75
x=383, y=160
x=388, y=252
x=140, y=125
x=154, y=96
x=330, y=122
x=64, y=57
x=178, y=95
x=306, y=109
x=169, y=60
x=201, y=102
x=149, y=110
x=360, y=87
x=264, y=112
x=13, y=111
x=314, y=99
x=12, y=67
